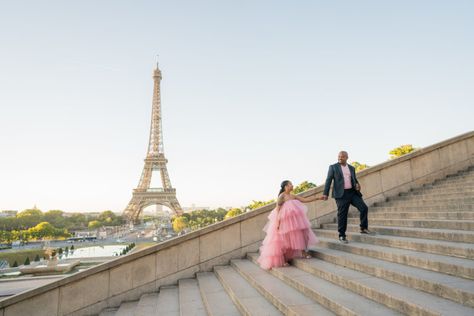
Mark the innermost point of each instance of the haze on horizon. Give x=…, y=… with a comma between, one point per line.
x=252, y=93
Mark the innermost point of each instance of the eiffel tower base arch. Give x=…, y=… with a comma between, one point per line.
x=140, y=200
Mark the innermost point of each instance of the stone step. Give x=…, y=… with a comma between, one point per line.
x=454, y=179
x=440, y=190
x=421, y=223
x=329, y=295
x=434, y=197
x=426, y=203
x=401, y=298
x=430, y=207
x=190, y=301
x=245, y=297
x=215, y=298
x=454, y=288
x=449, y=265
x=450, y=198
x=417, y=215
x=168, y=301
x=147, y=305
x=456, y=176
x=466, y=191
x=127, y=308
x=110, y=311
x=463, y=208
x=426, y=233
x=455, y=249
x=458, y=183
x=467, y=171
x=288, y=300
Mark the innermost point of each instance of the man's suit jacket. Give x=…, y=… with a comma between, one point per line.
x=335, y=173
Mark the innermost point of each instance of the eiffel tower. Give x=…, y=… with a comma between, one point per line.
x=155, y=162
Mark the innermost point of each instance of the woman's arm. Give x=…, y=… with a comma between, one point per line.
x=308, y=199
x=281, y=199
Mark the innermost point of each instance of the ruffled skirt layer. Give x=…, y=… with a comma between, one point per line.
x=287, y=241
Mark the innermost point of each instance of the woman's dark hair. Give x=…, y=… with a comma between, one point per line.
x=282, y=186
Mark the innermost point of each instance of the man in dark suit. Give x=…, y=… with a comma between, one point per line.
x=346, y=191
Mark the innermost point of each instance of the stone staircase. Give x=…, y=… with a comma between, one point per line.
x=419, y=262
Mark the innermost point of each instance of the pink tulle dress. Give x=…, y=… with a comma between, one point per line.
x=287, y=242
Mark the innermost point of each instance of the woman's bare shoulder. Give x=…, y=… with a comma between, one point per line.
x=286, y=197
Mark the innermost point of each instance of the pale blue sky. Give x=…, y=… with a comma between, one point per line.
x=253, y=92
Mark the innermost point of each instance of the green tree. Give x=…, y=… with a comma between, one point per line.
x=55, y=218
x=401, y=150
x=5, y=236
x=9, y=223
x=94, y=224
x=257, y=204
x=37, y=258
x=106, y=214
x=303, y=186
x=233, y=212
x=42, y=230
x=359, y=166
x=29, y=218
x=76, y=221
x=27, y=261
x=109, y=218
x=15, y=264
x=180, y=223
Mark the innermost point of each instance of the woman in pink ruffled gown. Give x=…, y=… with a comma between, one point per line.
x=288, y=230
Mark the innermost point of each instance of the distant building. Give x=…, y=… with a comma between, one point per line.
x=103, y=234
x=85, y=233
x=67, y=214
x=193, y=207
x=8, y=213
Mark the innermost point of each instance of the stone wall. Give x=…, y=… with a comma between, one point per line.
x=130, y=276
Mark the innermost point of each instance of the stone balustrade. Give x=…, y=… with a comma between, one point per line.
x=130, y=276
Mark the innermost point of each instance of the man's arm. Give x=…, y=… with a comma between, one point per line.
x=329, y=179
x=357, y=185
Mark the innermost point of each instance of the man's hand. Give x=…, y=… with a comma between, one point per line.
x=357, y=186
x=324, y=198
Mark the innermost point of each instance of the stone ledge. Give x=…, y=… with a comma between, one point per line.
x=134, y=256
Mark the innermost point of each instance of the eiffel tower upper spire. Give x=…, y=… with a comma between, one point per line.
x=155, y=144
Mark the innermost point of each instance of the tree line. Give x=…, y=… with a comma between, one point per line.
x=33, y=224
